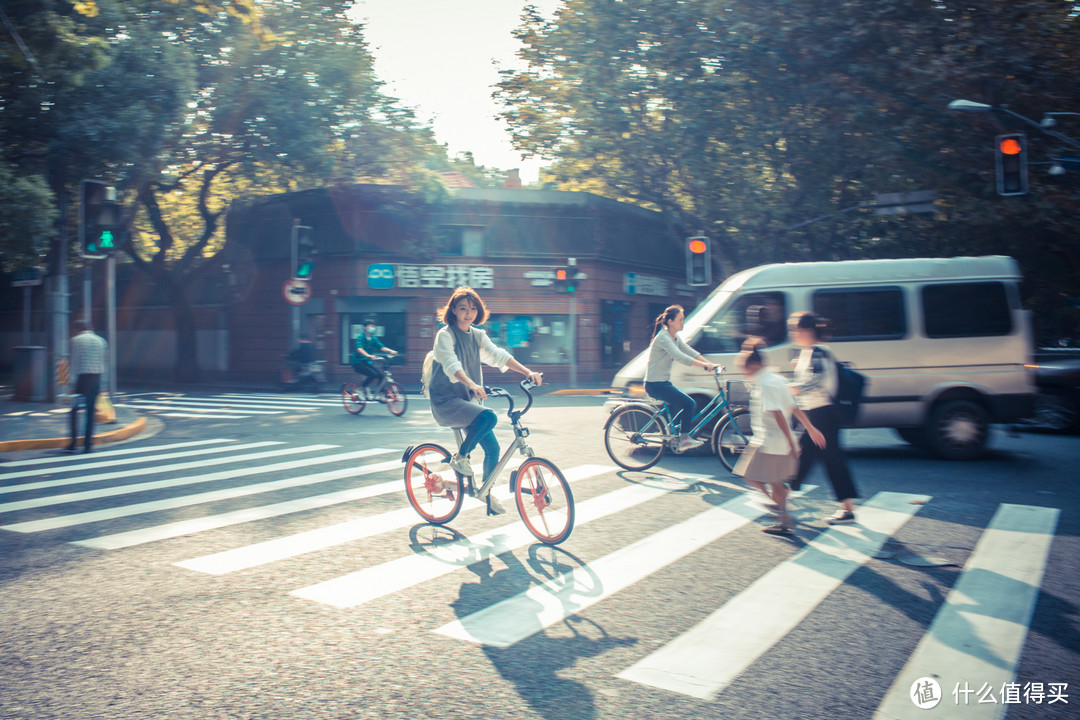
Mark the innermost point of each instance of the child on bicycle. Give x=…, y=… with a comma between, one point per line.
x=457, y=385
x=667, y=347
x=771, y=458
x=363, y=359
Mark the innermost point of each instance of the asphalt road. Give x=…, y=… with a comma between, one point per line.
x=255, y=558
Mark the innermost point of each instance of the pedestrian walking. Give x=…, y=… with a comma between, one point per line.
x=457, y=382
x=814, y=387
x=666, y=348
x=87, y=364
x=771, y=458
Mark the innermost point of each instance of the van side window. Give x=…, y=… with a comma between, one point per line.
x=976, y=309
x=761, y=314
x=863, y=313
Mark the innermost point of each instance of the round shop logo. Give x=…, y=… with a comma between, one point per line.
x=380, y=276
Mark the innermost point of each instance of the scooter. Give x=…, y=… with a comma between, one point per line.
x=308, y=377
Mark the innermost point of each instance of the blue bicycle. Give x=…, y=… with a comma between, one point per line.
x=636, y=434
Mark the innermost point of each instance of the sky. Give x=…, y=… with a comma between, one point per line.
x=439, y=57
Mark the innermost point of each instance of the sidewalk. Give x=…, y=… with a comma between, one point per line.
x=39, y=426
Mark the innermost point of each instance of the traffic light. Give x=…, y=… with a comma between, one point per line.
x=567, y=279
x=698, y=261
x=99, y=220
x=304, y=240
x=1010, y=155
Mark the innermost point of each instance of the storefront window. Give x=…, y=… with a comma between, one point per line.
x=535, y=339
x=389, y=328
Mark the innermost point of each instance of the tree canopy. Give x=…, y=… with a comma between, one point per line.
x=746, y=120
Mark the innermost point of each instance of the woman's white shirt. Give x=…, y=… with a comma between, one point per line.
x=663, y=351
x=768, y=392
x=490, y=353
x=815, y=378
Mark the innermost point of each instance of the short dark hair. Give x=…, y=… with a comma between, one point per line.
x=807, y=320
x=751, y=352
x=463, y=293
x=83, y=325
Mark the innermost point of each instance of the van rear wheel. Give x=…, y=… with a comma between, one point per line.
x=958, y=430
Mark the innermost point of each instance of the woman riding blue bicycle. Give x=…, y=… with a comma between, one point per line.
x=667, y=347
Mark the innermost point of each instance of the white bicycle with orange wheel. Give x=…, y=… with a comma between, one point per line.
x=537, y=486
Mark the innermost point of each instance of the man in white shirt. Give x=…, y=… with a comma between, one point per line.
x=87, y=365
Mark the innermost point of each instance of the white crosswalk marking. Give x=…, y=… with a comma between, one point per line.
x=704, y=660
x=14, y=505
x=227, y=406
x=212, y=496
x=514, y=619
x=110, y=463
x=365, y=585
x=319, y=539
x=81, y=461
x=979, y=633
x=213, y=522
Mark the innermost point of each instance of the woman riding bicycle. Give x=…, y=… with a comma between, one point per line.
x=367, y=344
x=457, y=385
x=668, y=347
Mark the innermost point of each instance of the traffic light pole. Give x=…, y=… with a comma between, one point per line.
x=110, y=315
x=294, y=312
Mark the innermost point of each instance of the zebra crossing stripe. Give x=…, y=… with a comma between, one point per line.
x=236, y=517
x=374, y=582
x=212, y=496
x=225, y=404
x=282, y=548
x=82, y=461
x=707, y=658
x=112, y=491
x=111, y=463
x=516, y=618
x=979, y=632
x=201, y=411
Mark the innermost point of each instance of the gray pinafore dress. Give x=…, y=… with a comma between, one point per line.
x=452, y=405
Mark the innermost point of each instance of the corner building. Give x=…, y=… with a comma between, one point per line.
x=386, y=255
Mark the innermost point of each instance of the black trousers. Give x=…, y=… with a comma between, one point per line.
x=827, y=421
x=88, y=386
x=370, y=373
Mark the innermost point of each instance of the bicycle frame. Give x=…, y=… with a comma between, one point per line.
x=518, y=445
x=719, y=403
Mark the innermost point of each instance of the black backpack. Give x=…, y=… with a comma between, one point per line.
x=850, y=385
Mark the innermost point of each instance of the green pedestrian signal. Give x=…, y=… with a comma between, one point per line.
x=106, y=240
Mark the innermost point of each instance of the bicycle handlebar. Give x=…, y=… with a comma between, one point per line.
x=525, y=385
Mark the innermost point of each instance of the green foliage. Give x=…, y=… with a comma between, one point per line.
x=744, y=119
x=27, y=216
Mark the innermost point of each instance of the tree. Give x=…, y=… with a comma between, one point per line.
x=738, y=120
x=183, y=110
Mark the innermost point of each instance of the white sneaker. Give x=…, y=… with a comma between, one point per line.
x=460, y=464
x=494, y=506
x=688, y=443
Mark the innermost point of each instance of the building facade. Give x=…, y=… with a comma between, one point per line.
x=385, y=255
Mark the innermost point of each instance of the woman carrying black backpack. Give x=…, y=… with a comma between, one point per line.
x=814, y=387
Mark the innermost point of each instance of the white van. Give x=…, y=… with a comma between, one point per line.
x=943, y=342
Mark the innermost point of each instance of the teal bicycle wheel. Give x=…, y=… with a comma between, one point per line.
x=634, y=438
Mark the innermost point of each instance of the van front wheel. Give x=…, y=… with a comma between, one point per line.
x=959, y=430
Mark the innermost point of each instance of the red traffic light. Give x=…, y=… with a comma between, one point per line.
x=560, y=274
x=698, y=246
x=1010, y=146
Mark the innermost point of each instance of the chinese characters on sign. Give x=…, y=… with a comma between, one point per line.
x=445, y=276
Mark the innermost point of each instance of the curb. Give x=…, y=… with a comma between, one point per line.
x=111, y=436
x=582, y=391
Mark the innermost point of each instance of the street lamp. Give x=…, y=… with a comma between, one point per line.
x=972, y=106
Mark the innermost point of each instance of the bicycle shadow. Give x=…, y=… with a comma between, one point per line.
x=533, y=664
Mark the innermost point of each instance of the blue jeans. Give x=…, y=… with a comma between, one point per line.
x=481, y=431
x=680, y=404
